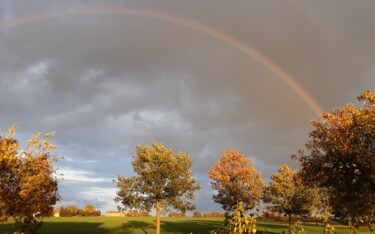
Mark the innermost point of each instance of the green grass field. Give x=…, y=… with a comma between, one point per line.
x=101, y=225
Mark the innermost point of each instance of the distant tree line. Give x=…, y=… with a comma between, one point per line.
x=73, y=211
x=215, y=214
x=136, y=213
x=176, y=214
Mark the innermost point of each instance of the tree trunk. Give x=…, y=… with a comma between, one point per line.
x=158, y=217
x=290, y=224
x=326, y=231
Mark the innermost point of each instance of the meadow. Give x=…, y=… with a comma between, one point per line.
x=145, y=225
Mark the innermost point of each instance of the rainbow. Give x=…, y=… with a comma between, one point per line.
x=233, y=42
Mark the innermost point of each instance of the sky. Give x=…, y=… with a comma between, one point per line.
x=198, y=76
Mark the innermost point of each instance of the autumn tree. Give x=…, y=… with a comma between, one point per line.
x=340, y=157
x=236, y=180
x=63, y=212
x=70, y=211
x=8, y=173
x=89, y=210
x=133, y=213
x=288, y=195
x=323, y=208
x=177, y=214
x=28, y=181
x=237, y=221
x=144, y=214
x=206, y=215
x=164, y=179
x=197, y=214
x=216, y=214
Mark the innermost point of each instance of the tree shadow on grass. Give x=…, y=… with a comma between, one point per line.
x=202, y=226
x=190, y=226
x=61, y=228
x=6, y=228
x=168, y=225
x=72, y=228
x=271, y=227
x=142, y=226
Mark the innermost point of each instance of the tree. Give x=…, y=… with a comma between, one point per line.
x=144, y=214
x=28, y=187
x=197, y=214
x=164, y=178
x=238, y=222
x=63, y=212
x=8, y=173
x=70, y=211
x=97, y=213
x=89, y=210
x=216, y=214
x=323, y=208
x=236, y=180
x=133, y=213
x=287, y=195
x=340, y=157
x=177, y=214
x=206, y=215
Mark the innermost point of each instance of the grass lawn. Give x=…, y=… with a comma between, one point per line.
x=101, y=225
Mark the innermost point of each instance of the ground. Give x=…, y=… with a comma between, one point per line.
x=142, y=225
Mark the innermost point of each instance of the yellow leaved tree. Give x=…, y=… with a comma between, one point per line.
x=287, y=195
x=28, y=181
x=164, y=179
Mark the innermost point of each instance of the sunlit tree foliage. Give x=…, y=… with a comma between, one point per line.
x=340, y=157
x=164, y=179
x=28, y=180
x=287, y=195
x=236, y=180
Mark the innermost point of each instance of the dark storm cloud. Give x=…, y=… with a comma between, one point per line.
x=108, y=82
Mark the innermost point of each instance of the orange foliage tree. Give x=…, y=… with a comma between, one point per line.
x=28, y=181
x=340, y=157
x=236, y=180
